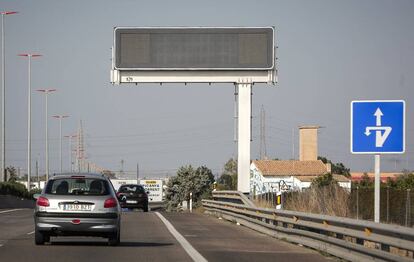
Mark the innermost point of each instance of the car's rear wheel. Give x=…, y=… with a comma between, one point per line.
x=115, y=239
x=145, y=208
x=41, y=238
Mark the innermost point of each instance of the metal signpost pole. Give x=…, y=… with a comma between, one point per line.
x=377, y=189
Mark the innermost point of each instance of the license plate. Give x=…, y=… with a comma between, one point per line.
x=77, y=207
x=131, y=201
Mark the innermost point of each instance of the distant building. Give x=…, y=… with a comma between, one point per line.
x=283, y=175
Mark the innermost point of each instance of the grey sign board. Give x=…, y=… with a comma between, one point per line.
x=194, y=48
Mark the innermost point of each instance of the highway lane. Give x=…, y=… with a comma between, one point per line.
x=14, y=223
x=220, y=240
x=144, y=237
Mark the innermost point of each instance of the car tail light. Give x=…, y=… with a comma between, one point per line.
x=110, y=202
x=43, y=202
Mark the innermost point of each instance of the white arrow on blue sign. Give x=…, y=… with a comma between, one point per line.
x=378, y=127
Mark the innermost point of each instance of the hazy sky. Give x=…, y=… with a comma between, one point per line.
x=330, y=53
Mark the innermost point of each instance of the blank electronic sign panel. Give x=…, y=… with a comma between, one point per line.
x=189, y=48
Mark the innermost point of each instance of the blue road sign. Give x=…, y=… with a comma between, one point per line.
x=378, y=127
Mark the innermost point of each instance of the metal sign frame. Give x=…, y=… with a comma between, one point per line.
x=242, y=78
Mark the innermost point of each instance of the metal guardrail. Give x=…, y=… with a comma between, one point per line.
x=232, y=196
x=350, y=239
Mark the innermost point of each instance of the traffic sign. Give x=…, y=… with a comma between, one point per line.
x=378, y=127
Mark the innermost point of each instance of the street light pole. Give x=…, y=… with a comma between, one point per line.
x=60, y=117
x=70, y=151
x=3, y=97
x=29, y=119
x=46, y=92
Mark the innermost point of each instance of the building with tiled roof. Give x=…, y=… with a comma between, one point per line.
x=284, y=175
x=291, y=167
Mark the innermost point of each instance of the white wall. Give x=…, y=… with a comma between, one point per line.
x=260, y=184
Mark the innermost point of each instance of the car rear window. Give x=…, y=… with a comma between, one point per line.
x=131, y=189
x=77, y=186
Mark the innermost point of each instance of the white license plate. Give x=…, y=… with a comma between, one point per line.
x=131, y=201
x=77, y=207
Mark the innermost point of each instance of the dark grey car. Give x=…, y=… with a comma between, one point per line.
x=77, y=205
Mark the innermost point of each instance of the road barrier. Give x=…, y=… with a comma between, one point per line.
x=350, y=239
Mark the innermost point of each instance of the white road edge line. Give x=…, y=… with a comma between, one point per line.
x=191, y=251
x=30, y=233
x=11, y=210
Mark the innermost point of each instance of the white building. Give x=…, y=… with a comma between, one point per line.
x=283, y=175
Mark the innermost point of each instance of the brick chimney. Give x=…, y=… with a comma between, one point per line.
x=308, y=143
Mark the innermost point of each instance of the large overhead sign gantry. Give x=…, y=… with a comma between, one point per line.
x=239, y=55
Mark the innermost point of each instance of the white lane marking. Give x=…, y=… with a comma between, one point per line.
x=11, y=210
x=191, y=251
x=30, y=233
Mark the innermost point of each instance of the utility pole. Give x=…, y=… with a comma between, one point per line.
x=70, y=151
x=137, y=173
x=80, y=151
x=121, y=172
x=263, y=150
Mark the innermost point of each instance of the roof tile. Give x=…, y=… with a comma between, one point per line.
x=290, y=167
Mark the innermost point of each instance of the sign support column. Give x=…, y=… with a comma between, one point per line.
x=377, y=189
x=243, y=146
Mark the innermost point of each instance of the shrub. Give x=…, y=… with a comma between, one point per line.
x=16, y=189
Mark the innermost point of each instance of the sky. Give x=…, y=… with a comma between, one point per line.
x=330, y=52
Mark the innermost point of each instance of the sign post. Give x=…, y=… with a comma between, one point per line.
x=378, y=127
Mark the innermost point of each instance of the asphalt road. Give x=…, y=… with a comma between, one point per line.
x=144, y=237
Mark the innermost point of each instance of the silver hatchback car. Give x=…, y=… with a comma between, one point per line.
x=77, y=205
